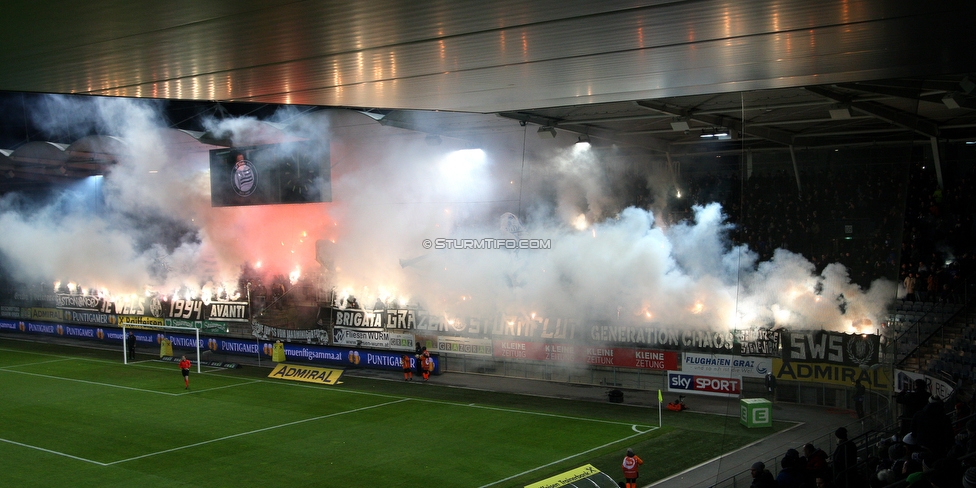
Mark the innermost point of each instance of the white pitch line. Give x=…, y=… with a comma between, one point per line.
x=52, y=452
x=255, y=431
x=219, y=387
x=567, y=458
x=108, y=385
x=35, y=364
x=526, y=412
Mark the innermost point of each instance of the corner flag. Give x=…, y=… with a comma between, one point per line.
x=660, y=400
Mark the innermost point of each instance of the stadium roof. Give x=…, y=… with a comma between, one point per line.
x=654, y=75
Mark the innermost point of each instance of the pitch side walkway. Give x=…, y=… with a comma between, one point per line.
x=813, y=424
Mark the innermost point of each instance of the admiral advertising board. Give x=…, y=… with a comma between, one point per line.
x=873, y=378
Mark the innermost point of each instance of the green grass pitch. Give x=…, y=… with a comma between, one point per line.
x=79, y=417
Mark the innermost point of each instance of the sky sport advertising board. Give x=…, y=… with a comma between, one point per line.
x=703, y=385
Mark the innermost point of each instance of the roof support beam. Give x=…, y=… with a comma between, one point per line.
x=651, y=143
x=777, y=136
x=902, y=119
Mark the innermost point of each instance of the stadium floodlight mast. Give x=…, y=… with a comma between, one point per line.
x=164, y=328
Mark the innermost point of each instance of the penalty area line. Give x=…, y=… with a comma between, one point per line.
x=107, y=385
x=265, y=429
x=21, y=444
x=191, y=392
x=570, y=457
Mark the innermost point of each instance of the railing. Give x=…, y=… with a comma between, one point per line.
x=922, y=337
x=865, y=441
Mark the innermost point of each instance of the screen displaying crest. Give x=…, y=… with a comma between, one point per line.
x=295, y=172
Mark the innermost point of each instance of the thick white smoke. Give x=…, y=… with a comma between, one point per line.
x=392, y=190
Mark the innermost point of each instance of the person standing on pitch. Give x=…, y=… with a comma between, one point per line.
x=630, y=466
x=426, y=363
x=185, y=369
x=131, y=344
x=407, y=370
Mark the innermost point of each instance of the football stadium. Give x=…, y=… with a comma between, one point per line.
x=699, y=244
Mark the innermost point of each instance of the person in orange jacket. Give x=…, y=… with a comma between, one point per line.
x=407, y=370
x=630, y=465
x=426, y=364
x=185, y=369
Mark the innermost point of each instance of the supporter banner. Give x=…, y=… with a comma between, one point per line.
x=343, y=336
x=761, y=342
x=705, y=385
x=80, y=302
x=823, y=346
x=134, y=305
x=464, y=345
x=724, y=365
x=227, y=311
x=312, y=336
x=757, y=342
x=360, y=319
x=905, y=380
x=43, y=299
x=198, y=310
x=10, y=312
x=835, y=374
x=307, y=374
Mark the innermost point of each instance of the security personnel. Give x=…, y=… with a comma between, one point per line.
x=630, y=465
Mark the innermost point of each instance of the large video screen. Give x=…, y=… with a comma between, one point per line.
x=294, y=172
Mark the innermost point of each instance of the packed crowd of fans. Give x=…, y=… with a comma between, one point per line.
x=928, y=449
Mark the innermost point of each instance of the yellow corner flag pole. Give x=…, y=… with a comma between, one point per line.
x=660, y=401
